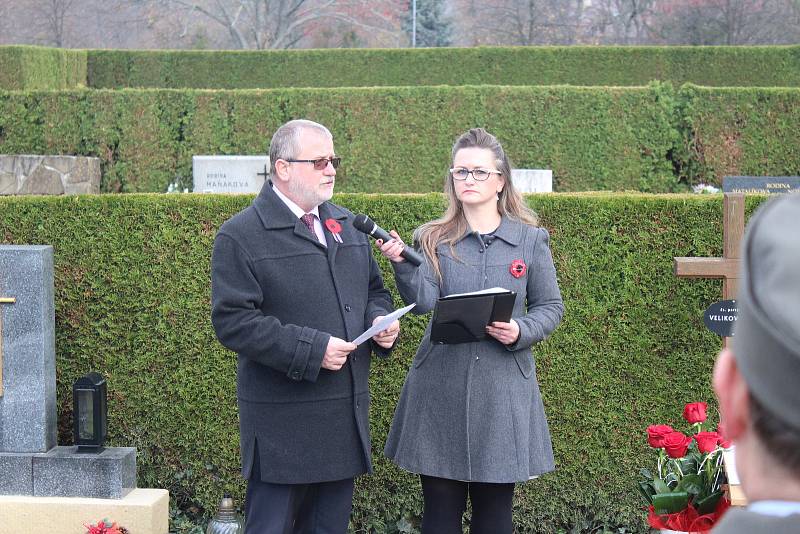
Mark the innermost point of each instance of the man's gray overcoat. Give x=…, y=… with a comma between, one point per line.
x=473, y=411
x=277, y=297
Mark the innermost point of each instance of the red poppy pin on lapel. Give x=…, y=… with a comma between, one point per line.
x=334, y=228
x=518, y=268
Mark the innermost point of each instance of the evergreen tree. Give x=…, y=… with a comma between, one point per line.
x=433, y=28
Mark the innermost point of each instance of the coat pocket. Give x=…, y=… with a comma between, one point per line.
x=524, y=360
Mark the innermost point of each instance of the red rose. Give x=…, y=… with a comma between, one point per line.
x=656, y=433
x=695, y=412
x=518, y=268
x=676, y=444
x=706, y=441
x=723, y=442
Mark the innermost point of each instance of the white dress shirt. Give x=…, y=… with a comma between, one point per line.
x=297, y=210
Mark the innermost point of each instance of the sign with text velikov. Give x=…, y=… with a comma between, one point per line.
x=720, y=317
x=762, y=185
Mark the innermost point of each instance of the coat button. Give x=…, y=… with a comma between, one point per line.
x=347, y=307
x=296, y=375
x=481, y=250
x=358, y=404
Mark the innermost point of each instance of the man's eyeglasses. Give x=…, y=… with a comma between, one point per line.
x=480, y=175
x=319, y=164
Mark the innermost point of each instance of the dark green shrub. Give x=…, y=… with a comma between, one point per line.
x=391, y=139
x=132, y=300
x=551, y=65
x=397, y=139
x=36, y=68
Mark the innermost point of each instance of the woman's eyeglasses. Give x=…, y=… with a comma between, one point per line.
x=321, y=163
x=479, y=175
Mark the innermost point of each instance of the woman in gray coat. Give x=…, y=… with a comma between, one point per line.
x=470, y=419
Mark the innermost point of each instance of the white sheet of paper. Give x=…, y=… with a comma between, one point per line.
x=489, y=291
x=383, y=324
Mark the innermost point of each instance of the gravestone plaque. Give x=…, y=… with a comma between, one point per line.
x=28, y=401
x=532, y=180
x=721, y=316
x=229, y=174
x=760, y=184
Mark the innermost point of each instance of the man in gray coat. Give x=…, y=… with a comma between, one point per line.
x=757, y=380
x=291, y=282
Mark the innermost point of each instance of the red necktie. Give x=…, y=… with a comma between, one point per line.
x=308, y=220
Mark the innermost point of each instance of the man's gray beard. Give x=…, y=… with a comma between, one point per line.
x=300, y=195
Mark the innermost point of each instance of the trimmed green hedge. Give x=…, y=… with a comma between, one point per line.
x=730, y=132
x=34, y=68
x=574, y=65
x=391, y=139
x=49, y=68
x=397, y=140
x=133, y=301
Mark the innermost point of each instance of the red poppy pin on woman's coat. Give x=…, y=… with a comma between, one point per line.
x=518, y=268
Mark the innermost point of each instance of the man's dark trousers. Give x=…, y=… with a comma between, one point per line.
x=319, y=508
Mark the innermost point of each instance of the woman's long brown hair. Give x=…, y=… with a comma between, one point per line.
x=452, y=225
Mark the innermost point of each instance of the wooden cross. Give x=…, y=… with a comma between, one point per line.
x=726, y=267
x=3, y=300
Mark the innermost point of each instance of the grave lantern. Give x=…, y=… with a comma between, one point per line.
x=89, y=412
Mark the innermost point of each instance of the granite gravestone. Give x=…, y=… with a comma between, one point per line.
x=532, y=180
x=30, y=461
x=28, y=404
x=229, y=174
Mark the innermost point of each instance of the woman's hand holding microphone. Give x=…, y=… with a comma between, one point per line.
x=393, y=248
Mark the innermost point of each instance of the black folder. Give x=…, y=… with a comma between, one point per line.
x=463, y=318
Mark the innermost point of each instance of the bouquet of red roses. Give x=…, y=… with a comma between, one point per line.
x=685, y=493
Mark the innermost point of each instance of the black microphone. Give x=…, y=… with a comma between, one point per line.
x=362, y=223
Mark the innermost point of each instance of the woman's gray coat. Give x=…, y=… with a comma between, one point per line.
x=473, y=411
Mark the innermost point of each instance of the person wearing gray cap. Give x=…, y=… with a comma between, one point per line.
x=757, y=379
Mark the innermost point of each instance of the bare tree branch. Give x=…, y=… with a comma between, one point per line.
x=263, y=24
